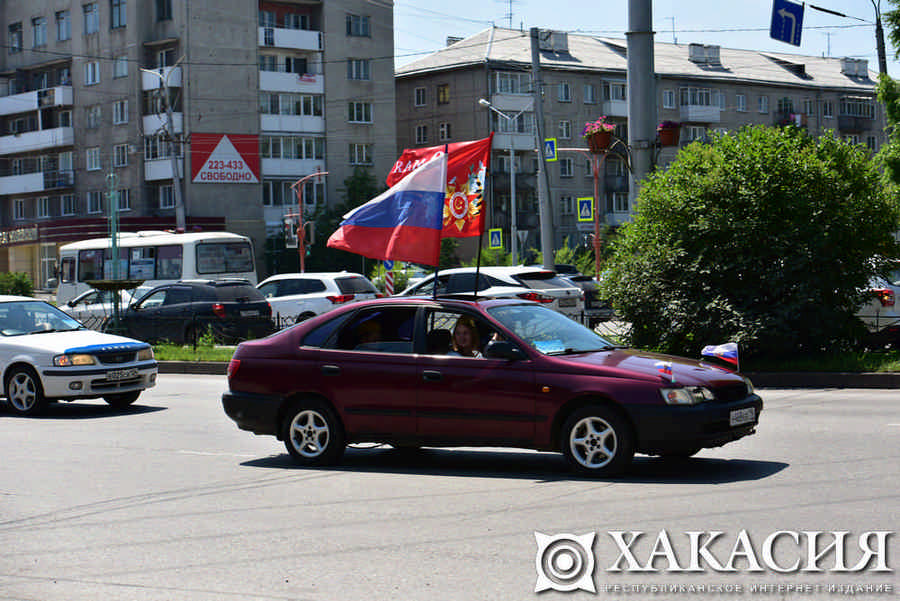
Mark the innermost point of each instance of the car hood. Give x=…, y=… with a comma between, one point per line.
x=73, y=340
x=632, y=362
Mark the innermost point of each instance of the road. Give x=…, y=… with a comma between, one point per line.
x=170, y=501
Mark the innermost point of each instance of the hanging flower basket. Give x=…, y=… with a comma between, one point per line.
x=599, y=142
x=668, y=132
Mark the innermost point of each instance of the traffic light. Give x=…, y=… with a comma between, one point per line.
x=290, y=232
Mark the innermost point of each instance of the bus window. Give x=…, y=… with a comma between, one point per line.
x=224, y=257
x=90, y=265
x=142, y=265
x=108, y=267
x=67, y=270
x=168, y=262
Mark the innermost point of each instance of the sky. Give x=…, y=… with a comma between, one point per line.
x=422, y=26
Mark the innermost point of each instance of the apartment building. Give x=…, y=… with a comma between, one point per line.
x=704, y=88
x=219, y=106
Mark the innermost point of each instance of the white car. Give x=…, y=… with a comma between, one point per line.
x=881, y=313
x=93, y=306
x=529, y=283
x=46, y=355
x=295, y=297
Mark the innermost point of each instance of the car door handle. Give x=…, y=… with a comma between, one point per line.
x=432, y=376
x=331, y=370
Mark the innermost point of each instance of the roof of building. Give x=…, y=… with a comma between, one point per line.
x=608, y=55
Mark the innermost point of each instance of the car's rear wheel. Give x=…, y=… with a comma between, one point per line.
x=304, y=316
x=313, y=435
x=24, y=392
x=597, y=440
x=123, y=399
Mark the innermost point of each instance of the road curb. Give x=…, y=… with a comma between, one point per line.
x=759, y=379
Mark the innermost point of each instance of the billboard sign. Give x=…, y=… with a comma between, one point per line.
x=224, y=159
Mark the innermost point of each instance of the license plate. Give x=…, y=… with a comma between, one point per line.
x=253, y=313
x=567, y=302
x=122, y=374
x=739, y=417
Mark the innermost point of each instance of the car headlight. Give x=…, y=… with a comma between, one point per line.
x=750, y=389
x=686, y=396
x=73, y=359
x=145, y=354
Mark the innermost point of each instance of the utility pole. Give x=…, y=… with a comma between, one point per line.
x=879, y=39
x=543, y=182
x=641, y=92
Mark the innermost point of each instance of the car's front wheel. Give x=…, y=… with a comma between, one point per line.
x=123, y=399
x=313, y=435
x=597, y=440
x=24, y=392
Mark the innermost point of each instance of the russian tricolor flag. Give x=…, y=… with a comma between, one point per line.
x=404, y=223
x=726, y=352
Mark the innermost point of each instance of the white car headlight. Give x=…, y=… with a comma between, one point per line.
x=145, y=354
x=73, y=359
x=686, y=396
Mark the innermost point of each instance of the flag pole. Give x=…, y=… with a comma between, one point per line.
x=437, y=267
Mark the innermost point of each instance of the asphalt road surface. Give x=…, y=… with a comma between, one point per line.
x=168, y=500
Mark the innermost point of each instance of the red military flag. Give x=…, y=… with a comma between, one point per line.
x=467, y=166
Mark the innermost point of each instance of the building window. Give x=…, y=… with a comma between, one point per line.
x=39, y=30
x=720, y=99
x=518, y=125
x=858, y=107
x=124, y=199
x=620, y=202
x=120, y=155
x=120, y=112
x=420, y=97
x=668, y=99
x=444, y=131
x=167, y=197
x=566, y=167
x=807, y=106
x=563, y=92
x=566, y=205
x=421, y=134
x=292, y=147
x=19, y=209
x=694, y=132
x=443, y=93
x=94, y=116
x=117, y=12
x=827, y=109
x=163, y=10
x=63, y=25
x=92, y=159
x=360, y=154
x=785, y=105
x=696, y=96
x=91, y=18
x=740, y=101
x=590, y=93
x=358, y=68
x=165, y=58
x=872, y=143
x=91, y=73
x=512, y=82
x=360, y=112
x=15, y=38
x=358, y=25
x=763, y=104
x=69, y=207
x=267, y=18
x=94, y=202
x=615, y=91
x=565, y=129
x=296, y=21
x=43, y=207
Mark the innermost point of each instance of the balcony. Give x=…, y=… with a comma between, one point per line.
x=296, y=39
x=615, y=108
x=151, y=81
x=697, y=113
x=853, y=124
x=292, y=123
x=307, y=83
x=32, y=141
x=157, y=123
x=32, y=101
x=291, y=167
x=38, y=181
x=161, y=169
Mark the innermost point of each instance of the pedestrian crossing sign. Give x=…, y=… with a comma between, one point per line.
x=550, y=149
x=495, y=238
x=586, y=209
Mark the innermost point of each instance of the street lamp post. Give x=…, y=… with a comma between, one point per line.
x=513, y=225
x=180, y=222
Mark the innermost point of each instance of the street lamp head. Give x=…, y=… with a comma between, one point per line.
x=484, y=102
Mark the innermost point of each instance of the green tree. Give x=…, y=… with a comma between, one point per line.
x=766, y=237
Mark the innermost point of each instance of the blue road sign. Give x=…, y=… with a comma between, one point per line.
x=495, y=238
x=787, y=22
x=550, y=149
x=388, y=265
x=586, y=209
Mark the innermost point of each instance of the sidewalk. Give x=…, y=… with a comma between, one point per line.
x=760, y=380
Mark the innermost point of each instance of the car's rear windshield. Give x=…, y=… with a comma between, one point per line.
x=355, y=285
x=542, y=280
x=238, y=293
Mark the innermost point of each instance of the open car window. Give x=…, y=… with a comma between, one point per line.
x=377, y=330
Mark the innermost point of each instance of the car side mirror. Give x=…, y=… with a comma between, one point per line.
x=52, y=283
x=501, y=349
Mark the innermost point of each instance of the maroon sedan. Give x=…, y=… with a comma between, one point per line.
x=422, y=372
